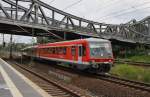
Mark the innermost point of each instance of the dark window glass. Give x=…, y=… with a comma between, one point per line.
x=50, y=50
x=64, y=50
x=53, y=49
x=82, y=51
x=73, y=50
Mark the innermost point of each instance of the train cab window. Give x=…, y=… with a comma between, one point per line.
x=73, y=50
x=82, y=51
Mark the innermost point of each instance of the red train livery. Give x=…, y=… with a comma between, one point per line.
x=85, y=54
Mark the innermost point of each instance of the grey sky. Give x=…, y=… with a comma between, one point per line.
x=17, y=39
x=108, y=11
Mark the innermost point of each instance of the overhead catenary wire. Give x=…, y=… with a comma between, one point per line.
x=52, y=1
x=123, y=10
x=105, y=6
x=125, y=13
x=73, y=4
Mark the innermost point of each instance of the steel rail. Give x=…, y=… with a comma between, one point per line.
x=125, y=82
x=72, y=93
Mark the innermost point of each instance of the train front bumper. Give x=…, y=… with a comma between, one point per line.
x=97, y=65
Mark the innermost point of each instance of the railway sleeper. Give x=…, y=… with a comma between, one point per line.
x=54, y=90
x=49, y=86
x=61, y=94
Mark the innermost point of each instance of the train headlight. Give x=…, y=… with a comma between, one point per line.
x=93, y=61
x=110, y=60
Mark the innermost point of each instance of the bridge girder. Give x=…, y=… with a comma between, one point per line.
x=39, y=15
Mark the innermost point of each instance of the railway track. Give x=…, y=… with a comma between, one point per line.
x=125, y=82
x=145, y=64
x=143, y=87
x=52, y=87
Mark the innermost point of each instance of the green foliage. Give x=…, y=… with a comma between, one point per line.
x=140, y=58
x=137, y=58
x=43, y=40
x=132, y=72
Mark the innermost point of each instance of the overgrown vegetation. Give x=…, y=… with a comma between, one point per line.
x=137, y=58
x=132, y=72
x=142, y=58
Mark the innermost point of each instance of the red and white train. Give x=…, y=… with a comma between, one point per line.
x=85, y=54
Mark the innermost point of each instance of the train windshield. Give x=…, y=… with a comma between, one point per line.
x=99, y=49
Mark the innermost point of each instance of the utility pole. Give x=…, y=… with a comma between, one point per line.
x=65, y=36
x=10, y=56
x=3, y=41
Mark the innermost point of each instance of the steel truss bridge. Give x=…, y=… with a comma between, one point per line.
x=37, y=18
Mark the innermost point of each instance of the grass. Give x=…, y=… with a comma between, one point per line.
x=138, y=58
x=132, y=72
x=142, y=58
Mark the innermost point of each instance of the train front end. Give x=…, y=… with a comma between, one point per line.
x=101, y=56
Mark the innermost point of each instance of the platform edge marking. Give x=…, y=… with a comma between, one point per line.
x=29, y=82
x=14, y=90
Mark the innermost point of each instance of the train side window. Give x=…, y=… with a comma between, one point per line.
x=56, y=50
x=73, y=50
x=46, y=50
x=64, y=50
x=53, y=50
x=59, y=50
x=84, y=50
x=50, y=50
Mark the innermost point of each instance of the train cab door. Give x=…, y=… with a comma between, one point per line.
x=80, y=54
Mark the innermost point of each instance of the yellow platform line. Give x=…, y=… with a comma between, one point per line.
x=33, y=85
x=13, y=89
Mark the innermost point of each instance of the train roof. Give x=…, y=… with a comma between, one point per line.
x=29, y=47
x=96, y=40
x=62, y=43
x=85, y=39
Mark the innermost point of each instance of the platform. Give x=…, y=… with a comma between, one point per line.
x=14, y=84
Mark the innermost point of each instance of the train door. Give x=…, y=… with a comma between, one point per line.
x=80, y=54
x=73, y=53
